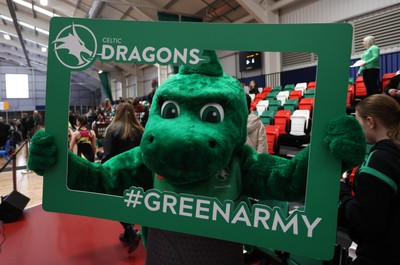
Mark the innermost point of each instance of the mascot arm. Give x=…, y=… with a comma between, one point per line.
x=113, y=177
x=271, y=177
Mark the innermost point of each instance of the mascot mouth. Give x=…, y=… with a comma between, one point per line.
x=182, y=163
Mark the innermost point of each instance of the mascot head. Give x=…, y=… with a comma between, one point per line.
x=197, y=123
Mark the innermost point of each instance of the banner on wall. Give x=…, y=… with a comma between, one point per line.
x=74, y=44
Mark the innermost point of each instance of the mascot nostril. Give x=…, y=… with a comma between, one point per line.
x=212, y=143
x=151, y=139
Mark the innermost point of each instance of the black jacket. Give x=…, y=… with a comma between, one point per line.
x=113, y=144
x=373, y=214
x=393, y=83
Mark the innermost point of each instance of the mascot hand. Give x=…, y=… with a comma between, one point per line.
x=346, y=141
x=42, y=152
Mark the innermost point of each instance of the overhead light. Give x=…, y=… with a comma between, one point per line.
x=42, y=31
x=100, y=71
x=43, y=2
x=44, y=49
x=7, y=36
x=29, y=26
x=6, y=18
x=36, y=8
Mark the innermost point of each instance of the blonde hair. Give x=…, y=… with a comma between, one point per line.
x=369, y=41
x=125, y=121
x=385, y=109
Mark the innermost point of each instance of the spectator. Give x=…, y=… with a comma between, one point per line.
x=4, y=131
x=24, y=126
x=84, y=138
x=253, y=87
x=393, y=88
x=37, y=121
x=256, y=136
x=371, y=65
x=373, y=214
x=123, y=134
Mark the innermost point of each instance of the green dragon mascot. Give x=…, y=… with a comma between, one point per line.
x=194, y=143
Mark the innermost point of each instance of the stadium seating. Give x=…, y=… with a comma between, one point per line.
x=272, y=132
x=386, y=79
x=299, y=122
x=274, y=105
x=311, y=85
x=262, y=105
x=283, y=96
x=282, y=119
x=291, y=104
x=307, y=104
x=267, y=117
x=288, y=87
x=296, y=94
x=277, y=88
x=361, y=90
x=272, y=95
x=301, y=87
x=310, y=93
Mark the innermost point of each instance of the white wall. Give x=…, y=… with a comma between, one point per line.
x=324, y=11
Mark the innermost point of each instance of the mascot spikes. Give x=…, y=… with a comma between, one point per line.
x=194, y=144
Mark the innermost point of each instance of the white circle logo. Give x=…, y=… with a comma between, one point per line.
x=75, y=46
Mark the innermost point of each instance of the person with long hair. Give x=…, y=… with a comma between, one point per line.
x=372, y=215
x=84, y=138
x=370, y=67
x=123, y=134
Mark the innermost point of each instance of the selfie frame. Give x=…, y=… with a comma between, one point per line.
x=331, y=43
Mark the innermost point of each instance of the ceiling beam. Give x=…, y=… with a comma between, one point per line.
x=28, y=36
x=260, y=14
x=9, y=44
x=169, y=4
x=96, y=9
x=282, y=4
x=18, y=30
x=244, y=19
x=25, y=17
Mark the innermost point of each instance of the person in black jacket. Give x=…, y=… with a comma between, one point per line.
x=373, y=214
x=123, y=134
x=393, y=88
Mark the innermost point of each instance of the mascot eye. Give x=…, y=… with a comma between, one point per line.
x=213, y=113
x=169, y=110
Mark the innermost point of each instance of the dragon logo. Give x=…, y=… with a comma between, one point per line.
x=70, y=48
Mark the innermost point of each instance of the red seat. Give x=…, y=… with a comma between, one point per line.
x=267, y=89
x=260, y=96
x=307, y=104
x=386, y=79
x=282, y=119
x=311, y=85
x=350, y=96
x=296, y=94
x=272, y=132
x=361, y=90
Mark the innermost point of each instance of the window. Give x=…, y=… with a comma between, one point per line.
x=17, y=86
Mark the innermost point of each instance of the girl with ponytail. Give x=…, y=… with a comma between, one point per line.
x=373, y=214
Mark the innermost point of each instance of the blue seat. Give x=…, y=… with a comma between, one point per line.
x=5, y=153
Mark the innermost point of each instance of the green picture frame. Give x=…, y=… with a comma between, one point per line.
x=331, y=43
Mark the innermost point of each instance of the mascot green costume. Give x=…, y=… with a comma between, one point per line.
x=194, y=144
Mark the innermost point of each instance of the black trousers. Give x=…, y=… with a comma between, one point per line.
x=371, y=77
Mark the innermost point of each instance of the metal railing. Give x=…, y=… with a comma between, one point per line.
x=13, y=160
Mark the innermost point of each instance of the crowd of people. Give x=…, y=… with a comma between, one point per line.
x=17, y=130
